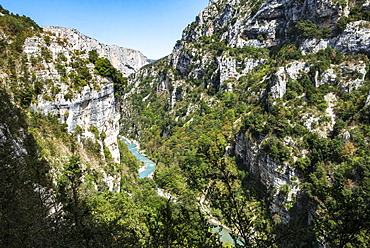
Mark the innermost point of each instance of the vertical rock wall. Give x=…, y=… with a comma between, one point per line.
x=55, y=60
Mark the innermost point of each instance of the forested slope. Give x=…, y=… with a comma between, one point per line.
x=261, y=113
x=258, y=120
x=66, y=179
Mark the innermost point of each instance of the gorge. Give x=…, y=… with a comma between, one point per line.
x=259, y=119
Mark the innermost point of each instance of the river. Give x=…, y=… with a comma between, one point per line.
x=148, y=168
x=147, y=171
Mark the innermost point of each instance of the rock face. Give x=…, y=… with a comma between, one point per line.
x=355, y=38
x=125, y=60
x=268, y=26
x=69, y=87
x=257, y=25
x=271, y=174
x=87, y=110
x=214, y=52
x=241, y=24
x=228, y=68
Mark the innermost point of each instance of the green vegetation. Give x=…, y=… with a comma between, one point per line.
x=193, y=141
x=308, y=30
x=17, y=28
x=104, y=68
x=249, y=52
x=132, y=217
x=276, y=149
x=357, y=13
x=215, y=145
x=256, y=6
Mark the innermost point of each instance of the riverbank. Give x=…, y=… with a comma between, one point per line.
x=223, y=230
x=131, y=141
x=147, y=170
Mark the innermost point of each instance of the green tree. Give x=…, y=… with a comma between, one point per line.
x=104, y=67
x=76, y=213
x=308, y=29
x=180, y=225
x=93, y=56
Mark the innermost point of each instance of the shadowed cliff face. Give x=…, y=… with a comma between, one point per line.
x=23, y=181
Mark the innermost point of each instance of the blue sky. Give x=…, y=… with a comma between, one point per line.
x=151, y=26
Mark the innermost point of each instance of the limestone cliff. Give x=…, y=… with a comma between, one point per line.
x=263, y=53
x=70, y=89
x=125, y=60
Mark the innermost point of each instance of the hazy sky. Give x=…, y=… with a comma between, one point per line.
x=151, y=26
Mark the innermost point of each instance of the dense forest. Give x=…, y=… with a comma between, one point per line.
x=264, y=139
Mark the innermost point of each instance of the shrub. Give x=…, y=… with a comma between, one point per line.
x=309, y=30
x=68, y=96
x=342, y=23
x=62, y=57
x=92, y=146
x=285, y=189
x=46, y=54
x=276, y=149
x=250, y=52
x=78, y=130
x=93, y=56
x=286, y=52
x=257, y=5
x=94, y=130
x=104, y=67
x=303, y=163
x=47, y=39
x=38, y=87
x=84, y=73
x=61, y=70
x=107, y=154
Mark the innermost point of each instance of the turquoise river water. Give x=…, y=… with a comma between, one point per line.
x=148, y=169
x=149, y=165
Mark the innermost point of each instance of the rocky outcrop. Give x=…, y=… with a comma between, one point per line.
x=281, y=178
x=230, y=69
x=84, y=100
x=269, y=24
x=125, y=60
x=242, y=24
x=355, y=38
x=367, y=103
x=204, y=56
x=278, y=84
x=257, y=25
x=279, y=80
x=350, y=77
x=87, y=110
